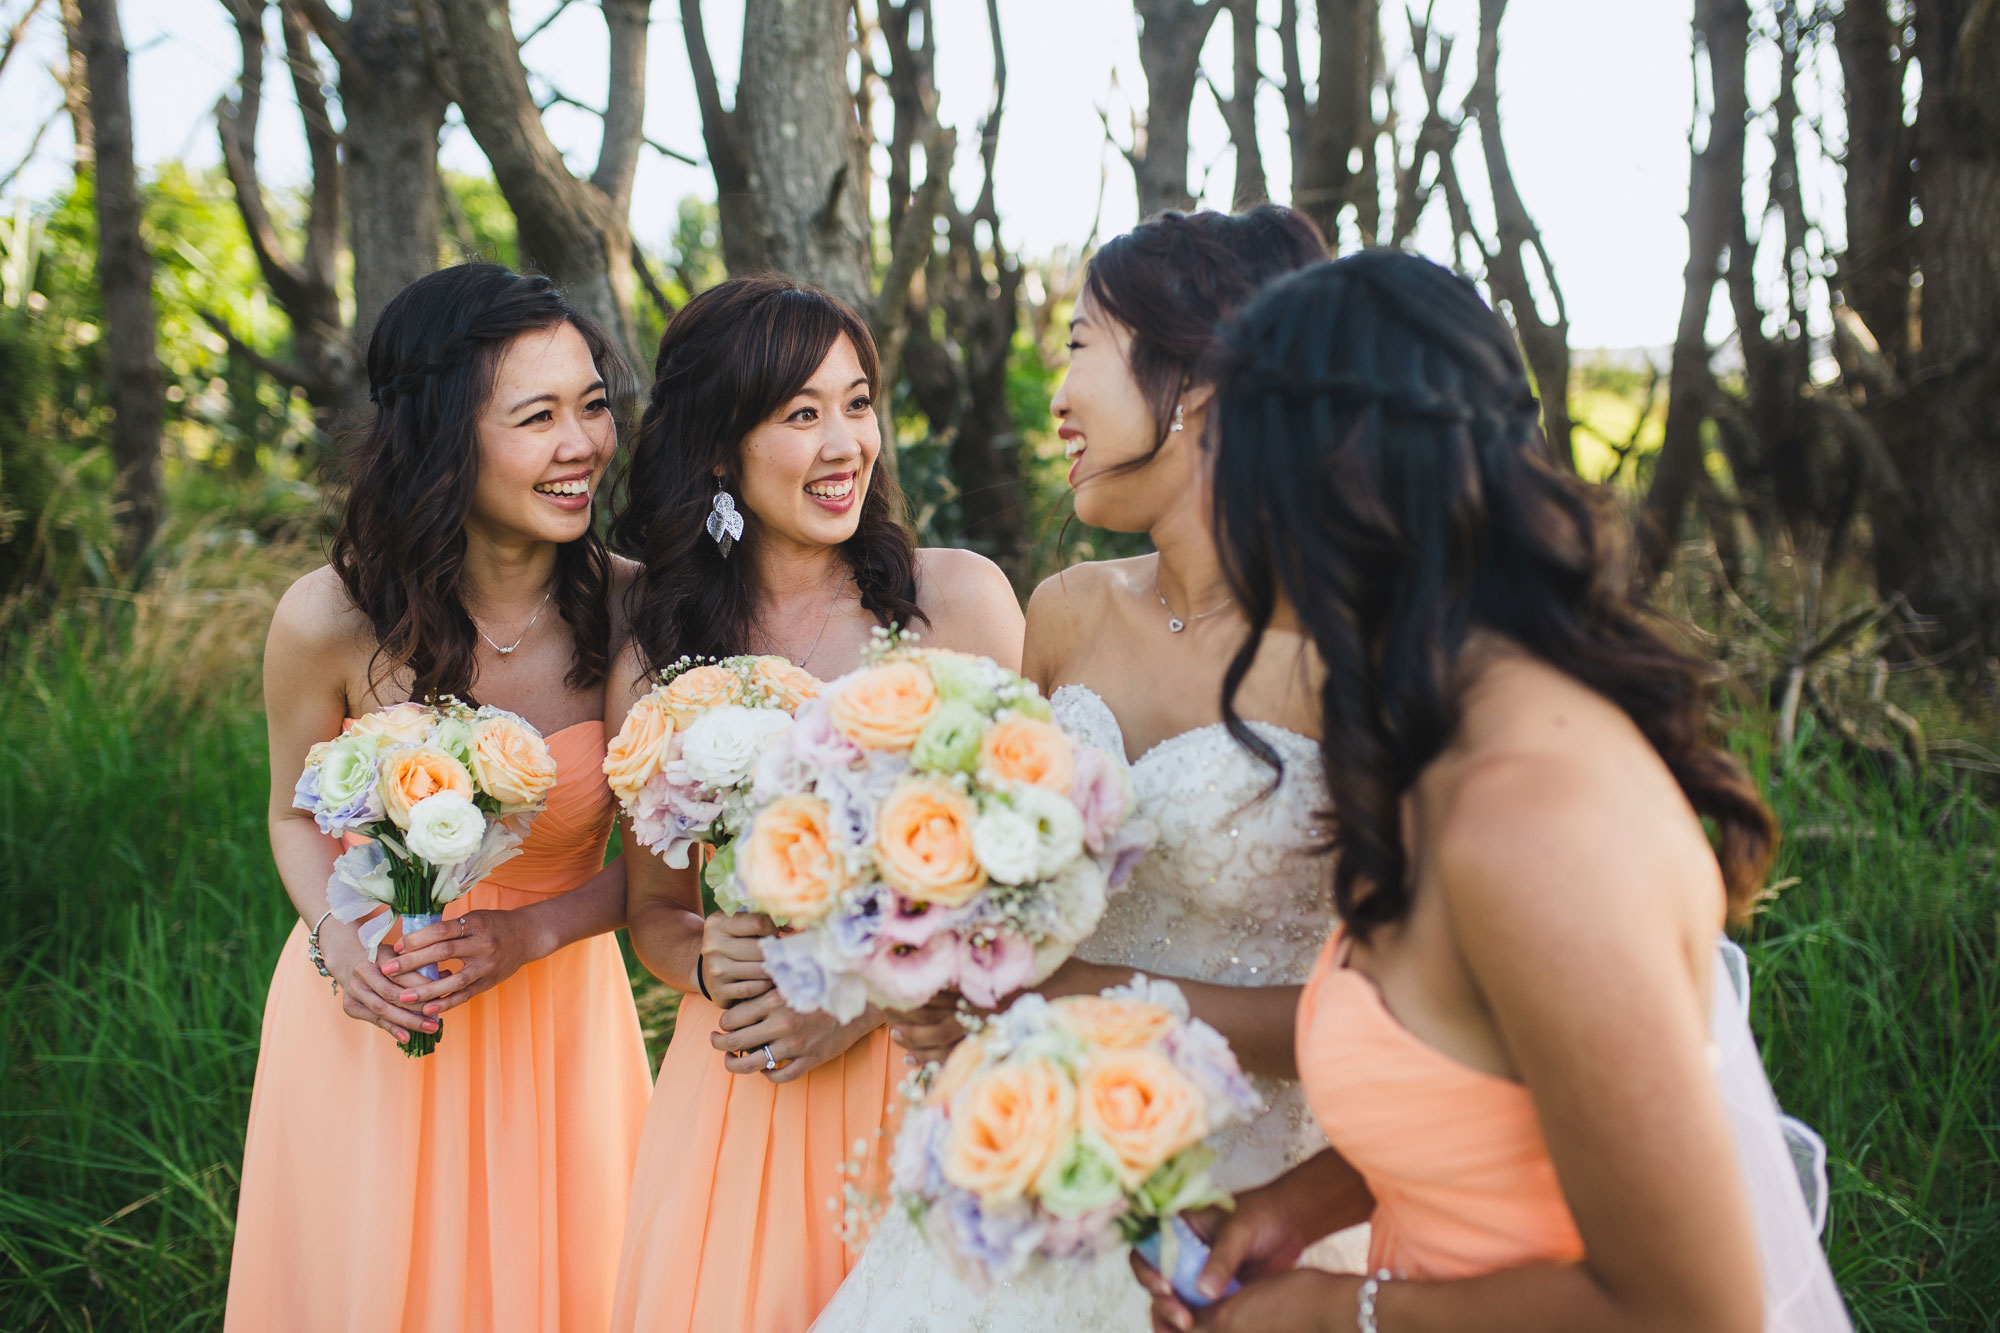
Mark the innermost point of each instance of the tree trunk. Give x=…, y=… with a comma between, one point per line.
x=1240, y=111
x=807, y=169
x=1326, y=130
x=1715, y=184
x=1545, y=342
x=125, y=277
x=395, y=111
x=75, y=81
x=1941, y=547
x=576, y=231
x=1171, y=33
x=722, y=135
x=1874, y=274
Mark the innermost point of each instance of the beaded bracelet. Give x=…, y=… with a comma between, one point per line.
x=313, y=954
x=1364, y=1315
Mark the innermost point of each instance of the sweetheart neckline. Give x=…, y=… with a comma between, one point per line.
x=587, y=722
x=1165, y=741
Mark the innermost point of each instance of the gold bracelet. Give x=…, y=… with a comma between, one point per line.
x=313, y=954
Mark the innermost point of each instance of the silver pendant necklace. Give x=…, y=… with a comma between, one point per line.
x=825, y=620
x=1174, y=623
x=524, y=633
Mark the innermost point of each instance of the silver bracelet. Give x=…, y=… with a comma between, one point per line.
x=1364, y=1315
x=314, y=956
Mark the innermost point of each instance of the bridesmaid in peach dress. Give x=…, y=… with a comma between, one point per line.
x=1522, y=1043
x=477, y=1190
x=764, y=394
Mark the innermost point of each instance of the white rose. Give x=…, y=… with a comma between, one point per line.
x=722, y=747
x=365, y=869
x=1058, y=828
x=1007, y=844
x=445, y=828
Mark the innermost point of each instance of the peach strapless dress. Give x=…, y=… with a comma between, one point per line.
x=1455, y=1156
x=738, y=1191
x=477, y=1190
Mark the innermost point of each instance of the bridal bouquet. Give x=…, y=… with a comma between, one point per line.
x=1064, y=1128
x=924, y=825
x=683, y=763
x=444, y=792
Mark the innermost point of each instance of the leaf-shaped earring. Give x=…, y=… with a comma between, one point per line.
x=725, y=525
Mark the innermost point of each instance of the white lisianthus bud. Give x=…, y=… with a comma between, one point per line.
x=445, y=828
x=1007, y=844
x=721, y=747
x=365, y=869
x=1058, y=828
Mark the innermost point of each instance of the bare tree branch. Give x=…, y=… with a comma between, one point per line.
x=34, y=146
x=1239, y=109
x=543, y=26
x=625, y=23
x=283, y=372
x=557, y=97
x=654, y=292
x=329, y=27
x=722, y=135
x=13, y=41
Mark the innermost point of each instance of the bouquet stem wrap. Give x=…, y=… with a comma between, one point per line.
x=414, y=909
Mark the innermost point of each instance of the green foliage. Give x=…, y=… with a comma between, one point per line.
x=480, y=224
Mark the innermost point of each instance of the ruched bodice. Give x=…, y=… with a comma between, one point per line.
x=1455, y=1156
x=565, y=846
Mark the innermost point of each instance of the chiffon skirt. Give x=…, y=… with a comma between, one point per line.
x=738, y=1195
x=477, y=1190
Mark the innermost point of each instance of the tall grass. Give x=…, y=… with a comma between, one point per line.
x=140, y=919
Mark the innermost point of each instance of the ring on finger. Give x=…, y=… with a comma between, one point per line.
x=770, y=1060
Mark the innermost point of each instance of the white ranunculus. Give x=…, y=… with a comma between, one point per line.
x=721, y=748
x=1058, y=828
x=1007, y=844
x=445, y=828
x=365, y=869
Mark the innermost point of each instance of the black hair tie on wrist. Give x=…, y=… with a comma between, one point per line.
x=701, y=983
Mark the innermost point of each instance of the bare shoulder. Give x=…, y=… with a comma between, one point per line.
x=970, y=604
x=316, y=615
x=1073, y=595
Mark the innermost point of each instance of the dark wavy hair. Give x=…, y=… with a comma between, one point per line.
x=1379, y=460
x=399, y=548
x=1173, y=279
x=730, y=358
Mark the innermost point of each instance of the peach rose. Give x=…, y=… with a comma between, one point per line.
x=695, y=691
x=1020, y=749
x=957, y=1068
x=885, y=707
x=923, y=843
x=404, y=724
x=789, y=863
x=789, y=686
x=1006, y=1126
x=639, y=748
x=416, y=771
x=1114, y=1025
x=1141, y=1107
x=512, y=763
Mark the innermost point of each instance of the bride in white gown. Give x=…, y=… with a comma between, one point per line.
x=1232, y=902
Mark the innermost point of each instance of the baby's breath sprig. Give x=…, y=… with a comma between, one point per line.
x=680, y=666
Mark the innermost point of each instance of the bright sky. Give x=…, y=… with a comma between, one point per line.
x=1596, y=103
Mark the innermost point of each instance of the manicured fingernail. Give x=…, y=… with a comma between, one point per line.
x=399, y=946
x=389, y=968
x=431, y=1026
x=408, y=997
x=431, y=1009
x=402, y=1036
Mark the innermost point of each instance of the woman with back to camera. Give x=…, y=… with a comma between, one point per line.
x=764, y=392
x=1131, y=653
x=477, y=1189
x=1512, y=1043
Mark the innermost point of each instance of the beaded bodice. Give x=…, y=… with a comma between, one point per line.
x=1235, y=892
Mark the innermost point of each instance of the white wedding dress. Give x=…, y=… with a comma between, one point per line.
x=1234, y=893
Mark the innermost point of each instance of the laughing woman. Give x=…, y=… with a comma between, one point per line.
x=476, y=1190
x=763, y=392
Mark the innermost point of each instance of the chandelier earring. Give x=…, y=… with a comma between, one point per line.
x=725, y=524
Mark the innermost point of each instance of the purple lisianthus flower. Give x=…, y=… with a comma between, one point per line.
x=1088, y=1235
x=1203, y=1054
x=1126, y=849
x=854, y=925
x=797, y=970
x=908, y=922
x=818, y=744
x=669, y=810
x=993, y=965
x=916, y=1162
x=850, y=806
x=780, y=771
x=1099, y=794
x=910, y=974
x=986, y=1243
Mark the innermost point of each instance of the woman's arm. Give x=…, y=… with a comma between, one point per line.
x=305, y=701
x=971, y=605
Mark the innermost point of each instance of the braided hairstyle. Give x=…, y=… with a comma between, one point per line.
x=1380, y=462
x=730, y=358
x=413, y=466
